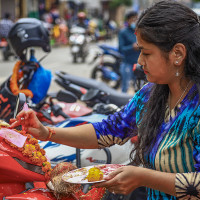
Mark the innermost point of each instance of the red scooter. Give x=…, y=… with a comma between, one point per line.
x=23, y=165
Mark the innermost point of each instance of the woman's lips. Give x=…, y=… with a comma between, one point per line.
x=146, y=72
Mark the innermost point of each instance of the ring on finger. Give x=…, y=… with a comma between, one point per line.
x=22, y=118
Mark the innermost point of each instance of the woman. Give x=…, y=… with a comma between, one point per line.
x=164, y=113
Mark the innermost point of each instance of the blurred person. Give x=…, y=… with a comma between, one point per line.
x=128, y=48
x=63, y=29
x=82, y=20
x=5, y=25
x=54, y=13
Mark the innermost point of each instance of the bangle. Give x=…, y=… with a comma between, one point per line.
x=51, y=132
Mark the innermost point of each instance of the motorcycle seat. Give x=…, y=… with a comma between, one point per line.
x=113, y=95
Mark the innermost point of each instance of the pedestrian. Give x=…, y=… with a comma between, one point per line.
x=82, y=20
x=128, y=48
x=164, y=114
x=5, y=25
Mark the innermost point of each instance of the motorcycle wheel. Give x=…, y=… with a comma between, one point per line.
x=97, y=74
x=5, y=54
x=75, y=57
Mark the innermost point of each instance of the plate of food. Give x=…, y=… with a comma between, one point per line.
x=90, y=174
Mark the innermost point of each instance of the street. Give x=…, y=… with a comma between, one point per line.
x=58, y=59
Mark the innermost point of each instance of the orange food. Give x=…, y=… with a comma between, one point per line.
x=94, y=174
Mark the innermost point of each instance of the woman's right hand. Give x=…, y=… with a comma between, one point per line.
x=30, y=123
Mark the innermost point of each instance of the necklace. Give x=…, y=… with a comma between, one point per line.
x=178, y=99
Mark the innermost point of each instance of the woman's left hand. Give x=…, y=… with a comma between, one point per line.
x=123, y=180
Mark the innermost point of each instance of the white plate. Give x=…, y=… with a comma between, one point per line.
x=78, y=175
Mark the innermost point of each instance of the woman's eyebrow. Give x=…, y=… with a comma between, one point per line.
x=141, y=47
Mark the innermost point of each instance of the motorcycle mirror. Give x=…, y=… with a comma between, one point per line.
x=90, y=94
x=66, y=96
x=21, y=100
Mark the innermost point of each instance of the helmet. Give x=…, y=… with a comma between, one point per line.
x=81, y=15
x=28, y=32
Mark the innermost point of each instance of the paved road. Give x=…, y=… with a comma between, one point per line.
x=58, y=59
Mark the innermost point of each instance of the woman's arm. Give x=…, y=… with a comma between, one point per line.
x=162, y=181
x=126, y=179
x=83, y=136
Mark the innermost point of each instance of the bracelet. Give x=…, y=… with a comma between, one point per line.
x=51, y=132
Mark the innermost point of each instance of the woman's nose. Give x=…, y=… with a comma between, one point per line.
x=140, y=60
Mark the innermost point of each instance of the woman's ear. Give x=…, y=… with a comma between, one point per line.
x=179, y=53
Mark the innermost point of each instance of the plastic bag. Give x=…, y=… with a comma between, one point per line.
x=40, y=83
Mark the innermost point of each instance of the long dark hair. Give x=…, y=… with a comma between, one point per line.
x=165, y=24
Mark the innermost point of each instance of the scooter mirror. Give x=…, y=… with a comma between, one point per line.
x=90, y=94
x=21, y=100
x=66, y=96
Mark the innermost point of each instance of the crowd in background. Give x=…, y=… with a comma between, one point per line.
x=60, y=26
x=98, y=28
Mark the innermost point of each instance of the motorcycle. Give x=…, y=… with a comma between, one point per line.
x=85, y=157
x=96, y=91
x=58, y=153
x=26, y=172
x=78, y=43
x=23, y=75
x=107, y=71
x=65, y=112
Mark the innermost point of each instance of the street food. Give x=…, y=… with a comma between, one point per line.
x=94, y=174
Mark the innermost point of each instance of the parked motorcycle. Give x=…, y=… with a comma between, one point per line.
x=51, y=112
x=107, y=71
x=28, y=76
x=61, y=153
x=25, y=172
x=78, y=43
x=97, y=92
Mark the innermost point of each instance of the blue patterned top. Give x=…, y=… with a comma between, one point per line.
x=177, y=147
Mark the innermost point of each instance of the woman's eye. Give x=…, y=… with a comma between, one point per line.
x=145, y=54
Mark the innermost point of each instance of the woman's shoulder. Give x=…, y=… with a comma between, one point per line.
x=145, y=90
x=142, y=95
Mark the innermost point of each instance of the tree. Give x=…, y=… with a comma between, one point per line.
x=117, y=3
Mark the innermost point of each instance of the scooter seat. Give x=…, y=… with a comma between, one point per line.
x=113, y=96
